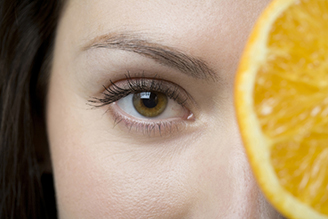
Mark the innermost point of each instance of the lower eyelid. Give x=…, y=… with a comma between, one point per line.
x=151, y=128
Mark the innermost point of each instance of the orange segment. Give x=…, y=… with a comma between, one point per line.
x=282, y=105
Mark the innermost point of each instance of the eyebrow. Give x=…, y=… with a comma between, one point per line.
x=165, y=55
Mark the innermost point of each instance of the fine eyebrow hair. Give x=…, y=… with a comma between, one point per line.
x=162, y=54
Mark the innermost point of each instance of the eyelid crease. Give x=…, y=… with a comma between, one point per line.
x=130, y=85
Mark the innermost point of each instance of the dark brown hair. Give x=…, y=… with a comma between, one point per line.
x=27, y=32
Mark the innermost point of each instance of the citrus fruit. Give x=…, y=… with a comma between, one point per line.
x=281, y=97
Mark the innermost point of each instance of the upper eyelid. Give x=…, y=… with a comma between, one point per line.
x=122, y=88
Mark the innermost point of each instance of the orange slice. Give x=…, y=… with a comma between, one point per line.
x=281, y=97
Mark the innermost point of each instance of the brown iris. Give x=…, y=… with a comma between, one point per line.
x=150, y=104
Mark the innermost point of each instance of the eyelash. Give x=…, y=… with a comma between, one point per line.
x=114, y=92
x=130, y=85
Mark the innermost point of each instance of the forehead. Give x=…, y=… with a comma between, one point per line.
x=169, y=20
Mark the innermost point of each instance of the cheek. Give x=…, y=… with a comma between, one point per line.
x=94, y=185
x=99, y=175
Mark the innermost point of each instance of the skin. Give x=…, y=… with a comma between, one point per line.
x=105, y=170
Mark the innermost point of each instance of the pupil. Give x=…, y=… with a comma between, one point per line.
x=149, y=99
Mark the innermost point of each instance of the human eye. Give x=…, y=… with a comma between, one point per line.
x=147, y=105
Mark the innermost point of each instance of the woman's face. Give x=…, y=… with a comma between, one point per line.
x=116, y=66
